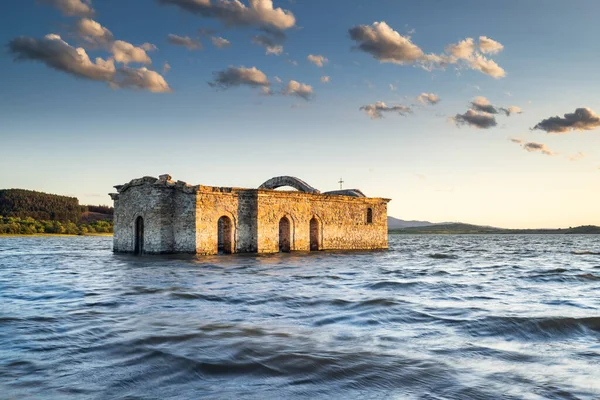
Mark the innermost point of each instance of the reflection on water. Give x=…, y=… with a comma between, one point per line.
x=435, y=317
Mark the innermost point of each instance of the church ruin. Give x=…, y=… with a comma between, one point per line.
x=160, y=216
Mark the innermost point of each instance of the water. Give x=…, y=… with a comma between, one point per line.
x=435, y=317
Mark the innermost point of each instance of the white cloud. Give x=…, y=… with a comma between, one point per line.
x=488, y=67
x=141, y=78
x=72, y=8
x=325, y=79
x=93, y=33
x=126, y=53
x=240, y=76
x=185, y=41
x=295, y=88
x=318, y=60
x=389, y=46
x=428, y=98
x=220, y=42
x=385, y=44
x=489, y=46
x=258, y=13
x=463, y=49
x=375, y=111
x=58, y=54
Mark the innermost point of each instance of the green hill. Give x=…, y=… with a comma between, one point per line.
x=30, y=212
x=19, y=203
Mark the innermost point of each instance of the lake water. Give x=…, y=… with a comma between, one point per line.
x=435, y=317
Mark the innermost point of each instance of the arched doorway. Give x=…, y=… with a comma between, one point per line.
x=139, y=235
x=315, y=235
x=285, y=235
x=225, y=235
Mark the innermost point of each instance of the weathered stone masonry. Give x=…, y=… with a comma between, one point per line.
x=157, y=216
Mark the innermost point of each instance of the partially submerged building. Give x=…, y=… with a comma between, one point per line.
x=160, y=216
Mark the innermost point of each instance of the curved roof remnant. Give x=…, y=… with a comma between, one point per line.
x=280, y=181
x=346, y=192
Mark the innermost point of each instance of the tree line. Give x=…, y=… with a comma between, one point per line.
x=31, y=226
x=20, y=203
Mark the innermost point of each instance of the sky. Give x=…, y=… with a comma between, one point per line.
x=470, y=111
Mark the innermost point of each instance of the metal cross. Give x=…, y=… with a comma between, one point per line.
x=341, y=182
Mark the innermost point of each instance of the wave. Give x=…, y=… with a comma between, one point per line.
x=442, y=256
x=391, y=285
x=533, y=328
x=585, y=253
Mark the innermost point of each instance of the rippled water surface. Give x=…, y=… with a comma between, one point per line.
x=435, y=317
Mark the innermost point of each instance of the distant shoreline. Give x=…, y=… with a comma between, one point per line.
x=466, y=229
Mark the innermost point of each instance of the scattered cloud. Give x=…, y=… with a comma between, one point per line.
x=126, y=53
x=486, y=66
x=463, y=49
x=533, y=147
x=325, y=79
x=538, y=147
x=93, y=33
x=475, y=119
x=166, y=67
x=583, y=119
x=512, y=110
x=220, y=42
x=489, y=46
x=387, y=45
x=298, y=89
x=72, y=8
x=233, y=13
x=482, y=104
x=428, y=98
x=375, y=111
x=576, y=157
x=393, y=88
x=271, y=44
x=318, y=60
x=141, y=78
x=58, y=54
x=240, y=76
x=185, y=41
x=277, y=79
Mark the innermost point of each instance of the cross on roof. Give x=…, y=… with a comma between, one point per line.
x=341, y=182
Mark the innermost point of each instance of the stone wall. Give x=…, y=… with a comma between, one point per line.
x=342, y=221
x=180, y=218
x=154, y=203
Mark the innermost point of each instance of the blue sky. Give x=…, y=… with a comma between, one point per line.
x=79, y=136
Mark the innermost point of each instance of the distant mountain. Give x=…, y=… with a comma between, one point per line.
x=395, y=223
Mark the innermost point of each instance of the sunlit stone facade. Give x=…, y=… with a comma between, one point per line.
x=161, y=216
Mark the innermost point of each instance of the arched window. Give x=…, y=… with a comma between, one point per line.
x=225, y=235
x=314, y=235
x=369, y=215
x=285, y=244
x=139, y=236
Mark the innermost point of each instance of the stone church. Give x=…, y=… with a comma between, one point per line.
x=161, y=216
